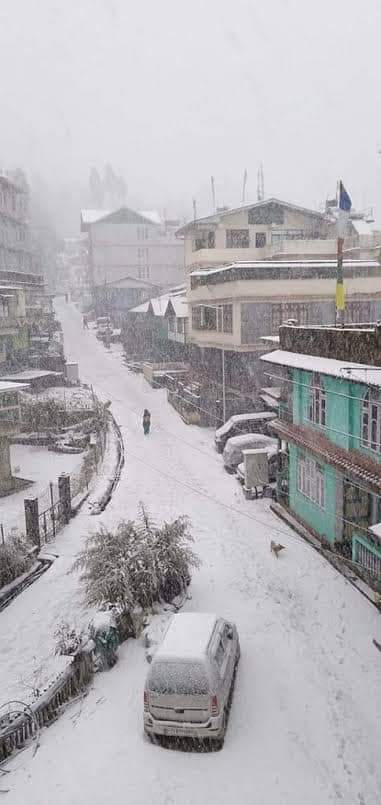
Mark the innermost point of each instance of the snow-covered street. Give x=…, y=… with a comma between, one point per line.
x=305, y=724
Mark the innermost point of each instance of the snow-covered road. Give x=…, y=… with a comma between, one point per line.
x=305, y=724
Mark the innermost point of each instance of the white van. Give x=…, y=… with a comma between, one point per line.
x=190, y=681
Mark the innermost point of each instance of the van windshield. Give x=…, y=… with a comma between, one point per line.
x=178, y=678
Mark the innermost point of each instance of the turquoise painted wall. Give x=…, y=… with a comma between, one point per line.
x=321, y=520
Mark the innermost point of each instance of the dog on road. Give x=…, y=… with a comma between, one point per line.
x=276, y=548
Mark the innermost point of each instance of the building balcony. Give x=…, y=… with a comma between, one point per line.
x=351, y=463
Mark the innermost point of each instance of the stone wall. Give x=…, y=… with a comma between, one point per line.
x=347, y=344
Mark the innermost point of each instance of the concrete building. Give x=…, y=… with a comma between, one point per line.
x=329, y=425
x=117, y=297
x=10, y=419
x=16, y=253
x=231, y=308
x=125, y=243
x=265, y=230
x=14, y=336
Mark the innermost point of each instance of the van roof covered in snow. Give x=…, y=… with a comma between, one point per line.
x=187, y=637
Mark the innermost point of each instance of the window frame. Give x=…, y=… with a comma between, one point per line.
x=233, y=238
x=317, y=402
x=311, y=480
x=371, y=421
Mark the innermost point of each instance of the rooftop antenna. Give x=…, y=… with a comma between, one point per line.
x=213, y=194
x=244, y=186
x=194, y=209
x=260, y=184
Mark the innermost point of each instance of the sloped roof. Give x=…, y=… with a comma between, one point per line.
x=178, y=306
x=121, y=215
x=284, y=264
x=246, y=207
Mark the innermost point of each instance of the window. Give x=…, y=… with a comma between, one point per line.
x=227, y=319
x=317, y=401
x=208, y=317
x=357, y=312
x=260, y=240
x=204, y=240
x=289, y=234
x=311, y=480
x=204, y=317
x=237, y=239
x=289, y=310
x=371, y=421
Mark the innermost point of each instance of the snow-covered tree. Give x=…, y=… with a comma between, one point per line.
x=137, y=564
x=15, y=559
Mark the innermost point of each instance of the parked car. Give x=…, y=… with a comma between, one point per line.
x=242, y=423
x=190, y=681
x=103, y=327
x=233, y=452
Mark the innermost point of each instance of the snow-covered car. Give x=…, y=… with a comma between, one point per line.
x=240, y=424
x=233, y=452
x=190, y=681
x=103, y=326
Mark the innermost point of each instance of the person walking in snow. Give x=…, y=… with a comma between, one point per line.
x=146, y=422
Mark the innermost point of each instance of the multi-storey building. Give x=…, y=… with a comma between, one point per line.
x=330, y=428
x=139, y=245
x=16, y=252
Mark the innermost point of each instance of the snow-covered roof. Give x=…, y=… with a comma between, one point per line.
x=179, y=305
x=187, y=637
x=91, y=216
x=237, y=418
x=29, y=374
x=272, y=391
x=213, y=219
x=345, y=370
x=143, y=308
x=6, y=385
x=363, y=227
x=284, y=264
x=158, y=305
x=271, y=339
x=152, y=215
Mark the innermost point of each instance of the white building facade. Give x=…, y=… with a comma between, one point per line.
x=135, y=244
x=15, y=240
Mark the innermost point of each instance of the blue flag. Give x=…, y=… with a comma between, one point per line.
x=345, y=202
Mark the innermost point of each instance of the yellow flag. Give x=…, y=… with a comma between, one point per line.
x=340, y=296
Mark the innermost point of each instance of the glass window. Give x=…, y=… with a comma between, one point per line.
x=311, y=480
x=260, y=240
x=317, y=401
x=182, y=678
x=371, y=421
x=237, y=239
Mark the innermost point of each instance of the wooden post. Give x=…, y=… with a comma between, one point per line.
x=32, y=526
x=65, y=496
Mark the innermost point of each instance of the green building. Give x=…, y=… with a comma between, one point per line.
x=329, y=428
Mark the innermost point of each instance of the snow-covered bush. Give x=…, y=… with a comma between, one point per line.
x=137, y=564
x=15, y=559
x=68, y=638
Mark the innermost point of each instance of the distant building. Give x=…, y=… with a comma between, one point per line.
x=10, y=419
x=116, y=297
x=125, y=243
x=261, y=231
x=16, y=253
x=329, y=427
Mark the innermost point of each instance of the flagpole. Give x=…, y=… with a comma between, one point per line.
x=340, y=297
x=345, y=205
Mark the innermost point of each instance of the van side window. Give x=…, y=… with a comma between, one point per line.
x=220, y=654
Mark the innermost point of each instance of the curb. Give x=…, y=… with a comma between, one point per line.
x=98, y=506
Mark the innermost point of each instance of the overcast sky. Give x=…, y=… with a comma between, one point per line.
x=172, y=91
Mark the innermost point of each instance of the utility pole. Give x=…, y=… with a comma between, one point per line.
x=213, y=194
x=260, y=184
x=194, y=209
x=223, y=386
x=244, y=186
